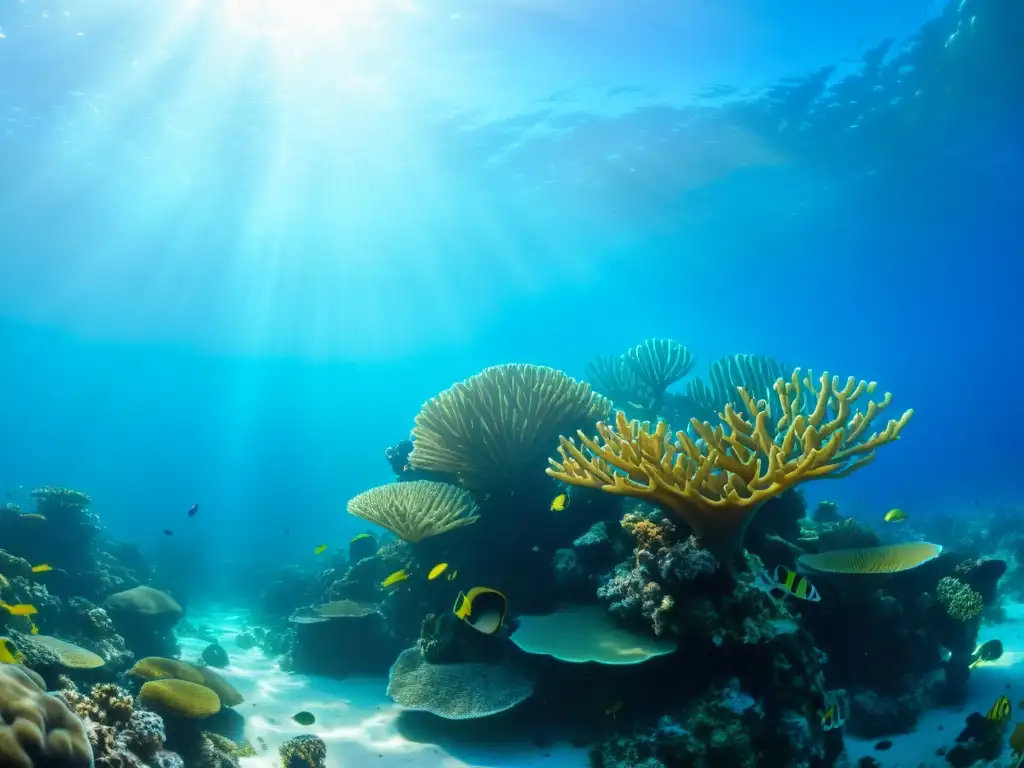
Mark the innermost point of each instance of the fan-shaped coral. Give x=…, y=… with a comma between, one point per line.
x=659, y=363
x=68, y=654
x=461, y=691
x=494, y=429
x=756, y=374
x=891, y=558
x=582, y=633
x=36, y=729
x=415, y=510
x=716, y=483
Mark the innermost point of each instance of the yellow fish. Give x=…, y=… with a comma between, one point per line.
x=4, y=583
x=395, y=577
x=359, y=537
x=320, y=549
x=9, y=654
x=895, y=516
x=482, y=608
x=436, y=571
x=559, y=502
x=1000, y=712
x=41, y=568
x=21, y=609
x=33, y=628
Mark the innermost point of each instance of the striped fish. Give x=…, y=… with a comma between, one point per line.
x=794, y=584
x=1000, y=712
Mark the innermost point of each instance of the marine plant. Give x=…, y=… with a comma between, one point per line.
x=494, y=429
x=716, y=481
x=415, y=510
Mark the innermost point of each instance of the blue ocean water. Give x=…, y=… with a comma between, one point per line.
x=243, y=242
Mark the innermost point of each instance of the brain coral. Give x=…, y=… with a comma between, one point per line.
x=179, y=697
x=460, y=691
x=157, y=668
x=33, y=724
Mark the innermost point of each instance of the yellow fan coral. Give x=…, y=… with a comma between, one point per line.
x=494, y=429
x=415, y=510
x=891, y=558
x=716, y=482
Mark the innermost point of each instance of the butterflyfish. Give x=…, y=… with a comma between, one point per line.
x=436, y=571
x=304, y=718
x=559, y=502
x=1000, y=712
x=395, y=577
x=9, y=654
x=42, y=568
x=482, y=608
x=832, y=715
x=790, y=582
x=20, y=609
x=320, y=549
x=988, y=651
x=895, y=516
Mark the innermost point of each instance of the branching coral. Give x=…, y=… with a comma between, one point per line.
x=415, y=510
x=495, y=428
x=716, y=482
x=960, y=601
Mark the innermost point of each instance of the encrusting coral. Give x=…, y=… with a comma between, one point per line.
x=415, y=510
x=494, y=429
x=716, y=482
x=960, y=601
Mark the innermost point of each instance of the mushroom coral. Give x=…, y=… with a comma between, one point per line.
x=716, y=482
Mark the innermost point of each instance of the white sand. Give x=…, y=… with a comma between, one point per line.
x=353, y=716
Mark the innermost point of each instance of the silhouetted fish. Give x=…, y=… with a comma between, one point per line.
x=192, y=510
x=168, y=532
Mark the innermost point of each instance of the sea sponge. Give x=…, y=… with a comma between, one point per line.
x=415, y=510
x=180, y=698
x=38, y=730
x=494, y=429
x=960, y=601
x=145, y=601
x=580, y=633
x=461, y=691
x=891, y=558
x=717, y=482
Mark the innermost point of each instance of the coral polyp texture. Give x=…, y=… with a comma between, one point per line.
x=416, y=510
x=716, y=480
x=495, y=428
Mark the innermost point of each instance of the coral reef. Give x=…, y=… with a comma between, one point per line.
x=305, y=751
x=716, y=481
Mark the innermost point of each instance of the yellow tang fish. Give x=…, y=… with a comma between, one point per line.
x=395, y=577
x=359, y=537
x=1000, y=712
x=9, y=654
x=320, y=549
x=895, y=516
x=559, y=502
x=41, y=568
x=21, y=609
x=436, y=571
x=482, y=608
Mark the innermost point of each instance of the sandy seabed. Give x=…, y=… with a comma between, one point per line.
x=357, y=720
